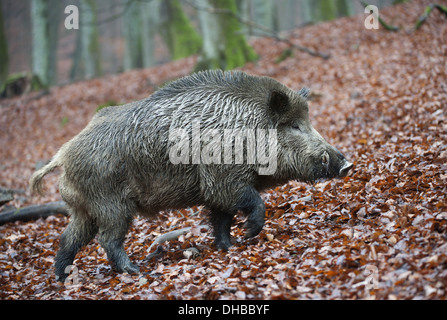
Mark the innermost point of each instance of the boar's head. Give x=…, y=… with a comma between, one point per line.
x=303, y=154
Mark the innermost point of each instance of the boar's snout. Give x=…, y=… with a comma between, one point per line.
x=345, y=169
x=333, y=164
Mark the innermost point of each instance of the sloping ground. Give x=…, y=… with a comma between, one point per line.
x=379, y=233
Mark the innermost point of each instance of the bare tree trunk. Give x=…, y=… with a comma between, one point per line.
x=4, y=61
x=323, y=10
x=54, y=15
x=45, y=18
x=345, y=8
x=75, y=73
x=287, y=13
x=41, y=45
x=224, y=46
x=178, y=33
x=132, y=32
x=305, y=9
x=244, y=10
x=90, y=53
x=265, y=13
x=150, y=21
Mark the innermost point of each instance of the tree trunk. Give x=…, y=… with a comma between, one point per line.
x=345, y=8
x=150, y=13
x=40, y=41
x=45, y=16
x=3, y=53
x=132, y=36
x=75, y=73
x=305, y=9
x=323, y=10
x=54, y=15
x=178, y=33
x=244, y=11
x=264, y=13
x=224, y=46
x=90, y=53
x=287, y=13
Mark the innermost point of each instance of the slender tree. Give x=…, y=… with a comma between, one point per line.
x=132, y=31
x=287, y=13
x=54, y=18
x=244, y=11
x=177, y=31
x=224, y=45
x=89, y=41
x=345, y=8
x=265, y=13
x=40, y=41
x=305, y=11
x=150, y=20
x=323, y=10
x=4, y=61
x=45, y=18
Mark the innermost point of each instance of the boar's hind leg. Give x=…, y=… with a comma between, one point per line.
x=112, y=232
x=221, y=222
x=253, y=206
x=79, y=232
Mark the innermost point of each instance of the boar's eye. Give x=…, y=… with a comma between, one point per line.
x=325, y=158
x=296, y=127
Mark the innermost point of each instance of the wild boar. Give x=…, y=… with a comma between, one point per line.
x=213, y=138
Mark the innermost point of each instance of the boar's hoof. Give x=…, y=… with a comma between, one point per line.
x=61, y=277
x=128, y=267
x=222, y=244
x=253, y=228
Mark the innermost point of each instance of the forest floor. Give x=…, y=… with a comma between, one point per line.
x=380, y=233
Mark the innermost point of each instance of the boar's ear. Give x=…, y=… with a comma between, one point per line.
x=304, y=92
x=278, y=101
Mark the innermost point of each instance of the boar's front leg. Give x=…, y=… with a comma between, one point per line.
x=253, y=206
x=251, y=203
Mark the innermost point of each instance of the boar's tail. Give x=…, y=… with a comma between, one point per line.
x=35, y=183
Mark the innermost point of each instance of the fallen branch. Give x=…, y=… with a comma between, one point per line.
x=173, y=235
x=158, y=253
x=421, y=20
x=6, y=195
x=33, y=212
